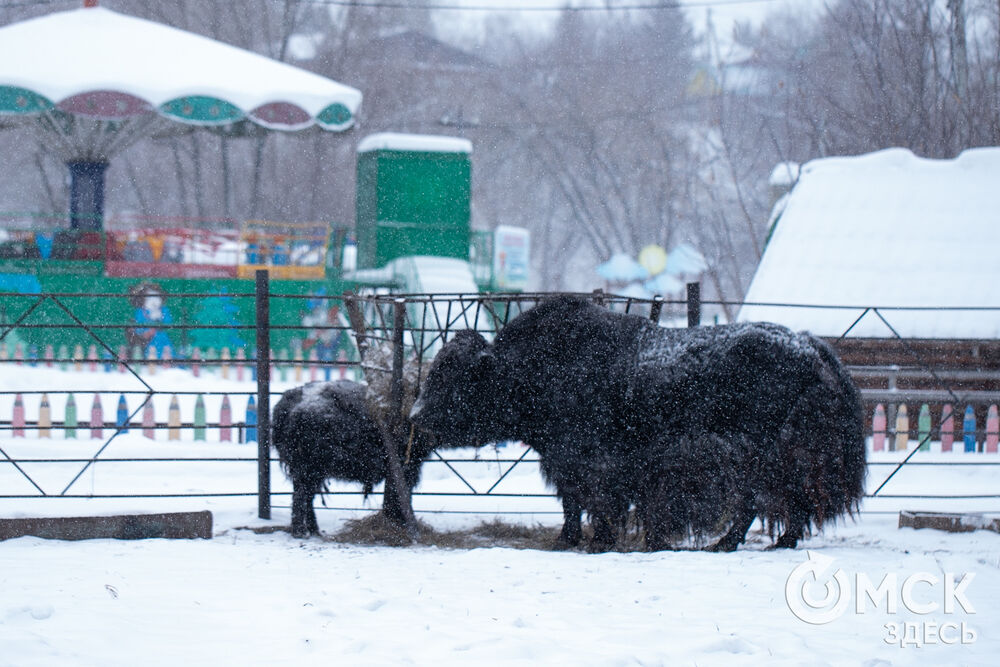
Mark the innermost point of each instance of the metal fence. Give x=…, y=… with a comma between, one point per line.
x=417, y=324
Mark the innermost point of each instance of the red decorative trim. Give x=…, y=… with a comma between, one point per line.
x=167, y=270
x=281, y=114
x=110, y=104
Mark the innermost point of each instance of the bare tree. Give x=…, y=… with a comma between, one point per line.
x=872, y=74
x=593, y=136
x=865, y=75
x=602, y=105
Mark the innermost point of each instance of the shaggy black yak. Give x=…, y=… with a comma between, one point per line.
x=698, y=428
x=326, y=430
x=744, y=420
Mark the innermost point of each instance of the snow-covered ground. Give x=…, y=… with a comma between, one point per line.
x=266, y=598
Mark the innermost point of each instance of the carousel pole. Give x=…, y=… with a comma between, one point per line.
x=86, y=194
x=86, y=186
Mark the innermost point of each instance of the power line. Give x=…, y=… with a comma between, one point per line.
x=641, y=6
x=33, y=3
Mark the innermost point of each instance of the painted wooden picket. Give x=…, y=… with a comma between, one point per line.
x=878, y=428
x=992, y=430
x=896, y=437
x=902, y=439
x=969, y=429
x=947, y=427
x=924, y=428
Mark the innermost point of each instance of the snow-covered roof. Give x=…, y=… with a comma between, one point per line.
x=304, y=45
x=887, y=229
x=684, y=259
x=622, y=268
x=663, y=283
x=426, y=143
x=98, y=62
x=784, y=173
x=436, y=275
x=421, y=274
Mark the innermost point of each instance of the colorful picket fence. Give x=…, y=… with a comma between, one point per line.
x=895, y=436
x=970, y=437
x=98, y=427
x=286, y=365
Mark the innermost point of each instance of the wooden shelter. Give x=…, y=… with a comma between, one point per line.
x=894, y=259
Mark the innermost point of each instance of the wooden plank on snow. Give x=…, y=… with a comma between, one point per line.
x=176, y=525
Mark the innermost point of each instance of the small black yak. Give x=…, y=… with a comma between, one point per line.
x=325, y=430
x=698, y=428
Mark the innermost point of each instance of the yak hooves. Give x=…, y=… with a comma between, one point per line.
x=657, y=544
x=303, y=533
x=785, y=542
x=601, y=543
x=728, y=543
x=562, y=542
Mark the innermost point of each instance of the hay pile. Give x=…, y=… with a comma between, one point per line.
x=377, y=365
x=377, y=530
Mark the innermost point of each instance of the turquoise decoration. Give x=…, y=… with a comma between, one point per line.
x=202, y=110
x=335, y=116
x=14, y=100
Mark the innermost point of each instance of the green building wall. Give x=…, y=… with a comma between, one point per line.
x=192, y=303
x=412, y=203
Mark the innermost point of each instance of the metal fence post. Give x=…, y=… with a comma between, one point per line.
x=398, y=326
x=694, y=304
x=656, y=308
x=263, y=317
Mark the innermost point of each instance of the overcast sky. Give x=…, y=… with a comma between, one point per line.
x=724, y=13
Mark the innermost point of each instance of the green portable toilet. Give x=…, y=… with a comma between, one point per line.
x=413, y=197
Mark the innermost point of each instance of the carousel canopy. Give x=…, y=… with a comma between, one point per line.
x=91, y=81
x=97, y=63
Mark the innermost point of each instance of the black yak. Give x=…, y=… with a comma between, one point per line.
x=698, y=428
x=746, y=420
x=326, y=430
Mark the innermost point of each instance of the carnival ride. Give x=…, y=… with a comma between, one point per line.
x=412, y=235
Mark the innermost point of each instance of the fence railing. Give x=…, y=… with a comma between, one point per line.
x=912, y=408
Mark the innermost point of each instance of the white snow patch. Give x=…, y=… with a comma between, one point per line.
x=784, y=173
x=63, y=54
x=246, y=598
x=622, y=268
x=887, y=229
x=426, y=143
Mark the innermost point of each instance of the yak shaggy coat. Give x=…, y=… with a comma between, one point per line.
x=698, y=428
x=325, y=430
